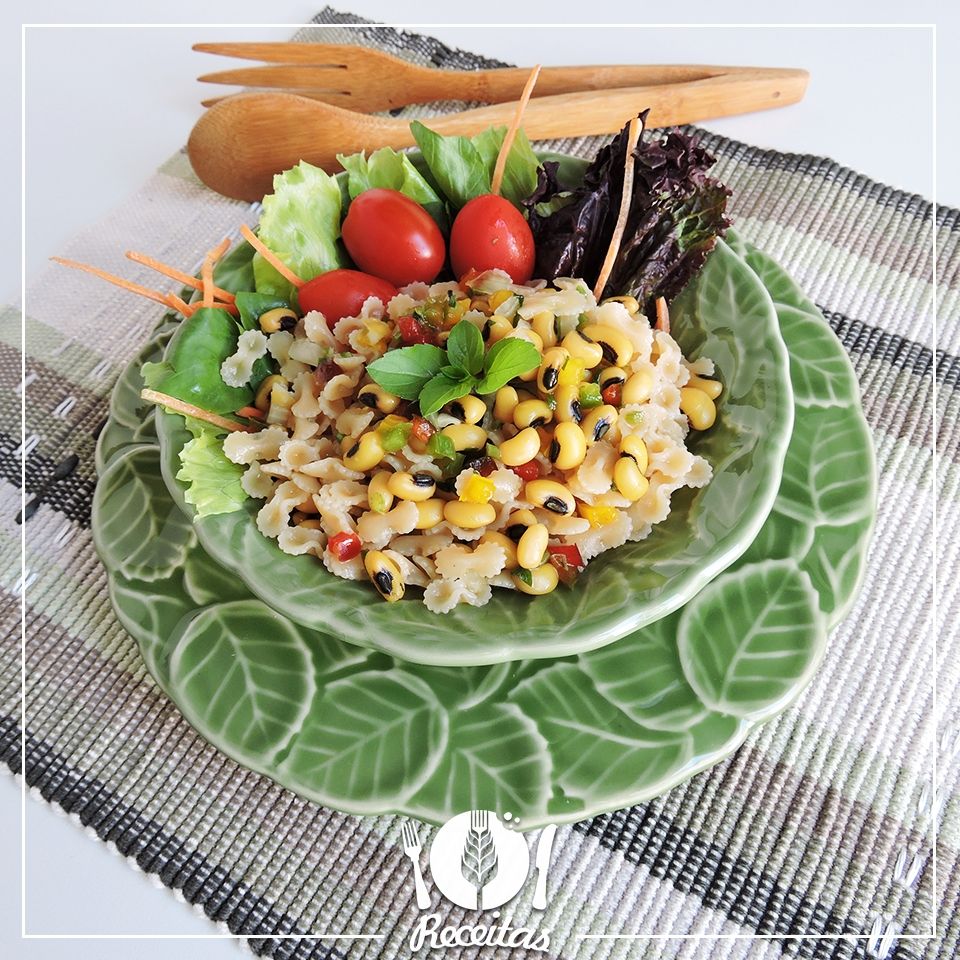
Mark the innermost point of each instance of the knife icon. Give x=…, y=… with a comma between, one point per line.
x=544, y=851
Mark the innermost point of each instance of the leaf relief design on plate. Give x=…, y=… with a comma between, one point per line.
x=137, y=528
x=243, y=674
x=495, y=753
x=369, y=736
x=750, y=640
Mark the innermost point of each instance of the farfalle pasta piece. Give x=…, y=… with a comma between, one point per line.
x=486, y=560
x=237, y=369
x=299, y=540
x=274, y=515
x=240, y=447
x=378, y=529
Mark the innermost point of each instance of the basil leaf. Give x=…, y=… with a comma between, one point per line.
x=465, y=347
x=440, y=390
x=455, y=163
x=405, y=371
x=507, y=359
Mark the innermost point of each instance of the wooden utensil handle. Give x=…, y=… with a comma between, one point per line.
x=590, y=113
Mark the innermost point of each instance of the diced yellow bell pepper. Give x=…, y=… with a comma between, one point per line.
x=477, y=489
x=598, y=516
x=571, y=373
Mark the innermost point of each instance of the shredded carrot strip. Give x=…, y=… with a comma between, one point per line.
x=270, y=257
x=251, y=413
x=663, y=316
x=206, y=281
x=189, y=410
x=154, y=295
x=501, y=164
x=174, y=274
x=220, y=249
x=633, y=135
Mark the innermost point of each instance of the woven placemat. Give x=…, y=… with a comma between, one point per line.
x=816, y=834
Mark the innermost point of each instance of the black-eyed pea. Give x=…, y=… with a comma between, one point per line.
x=429, y=513
x=638, y=387
x=502, y=540
x=496, y=328
x=712, y=388
x=550, y=495
x=532, y=413
x=365, y=453
x=374, y=396
x=617, y=349
x=518, y=523
x=633, y=307
x=543, y=579
x=628, y=478
x=550, y=366
x=520, y=449
x=412, y=486
x=469, y=409
x=385, y=575
x=379, y=495
x=469, y=516
x=466, y=436
x=699, y=408
x=611, y=376
x=262, y=399
x=544, y=325
x=600, y=422
x=532, y=547
x=633, y=446
x=568, y=447
x=581, y=348
x=567, y=408
x=504, y=404
x=280, y=318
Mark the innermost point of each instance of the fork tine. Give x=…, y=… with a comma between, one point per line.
x=289, y=52
x=307, y=76
x=405, y=831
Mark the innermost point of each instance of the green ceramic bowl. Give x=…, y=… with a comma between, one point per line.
x=724, y=314
x=546, y=740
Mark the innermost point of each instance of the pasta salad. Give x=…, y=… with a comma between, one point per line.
x=516, y=487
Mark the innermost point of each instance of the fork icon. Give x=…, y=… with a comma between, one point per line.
x=411, y=847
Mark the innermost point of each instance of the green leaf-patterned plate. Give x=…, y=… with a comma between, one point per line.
x=546, y=740
x=725, y=314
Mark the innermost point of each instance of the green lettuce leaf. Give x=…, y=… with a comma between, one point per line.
x=300, y=223
x=190, y=370
x=463, y=167
x=393, y=171
x=214, y=481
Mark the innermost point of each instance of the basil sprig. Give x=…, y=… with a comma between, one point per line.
x=436, y=377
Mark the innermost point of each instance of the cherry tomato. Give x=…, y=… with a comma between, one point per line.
x=344, y=546
x=391, y=236
x=527, y=471
x=490, y=233
x=413, y=330
x=341, y=293
x=612, y=394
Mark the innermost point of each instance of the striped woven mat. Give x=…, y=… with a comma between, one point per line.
x=814, y=839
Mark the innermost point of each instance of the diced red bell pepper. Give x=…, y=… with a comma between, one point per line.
x=421, y=429
x=527, y=471
x=413, y=331
x=612, y=394
x=569, y=552
x=344, y=546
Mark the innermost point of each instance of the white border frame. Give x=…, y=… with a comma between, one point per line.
x=889, y=936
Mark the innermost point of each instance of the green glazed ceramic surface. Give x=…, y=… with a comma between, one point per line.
x=725, y=314
x=547, y=740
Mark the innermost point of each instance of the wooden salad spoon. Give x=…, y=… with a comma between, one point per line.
x=238, y=145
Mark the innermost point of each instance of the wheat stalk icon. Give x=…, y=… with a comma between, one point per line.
x=478, y=862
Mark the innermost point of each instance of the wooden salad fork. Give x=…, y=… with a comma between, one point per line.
x=366, y=80
x=238, y=145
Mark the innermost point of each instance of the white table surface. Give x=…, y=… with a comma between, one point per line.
x=105, y=107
